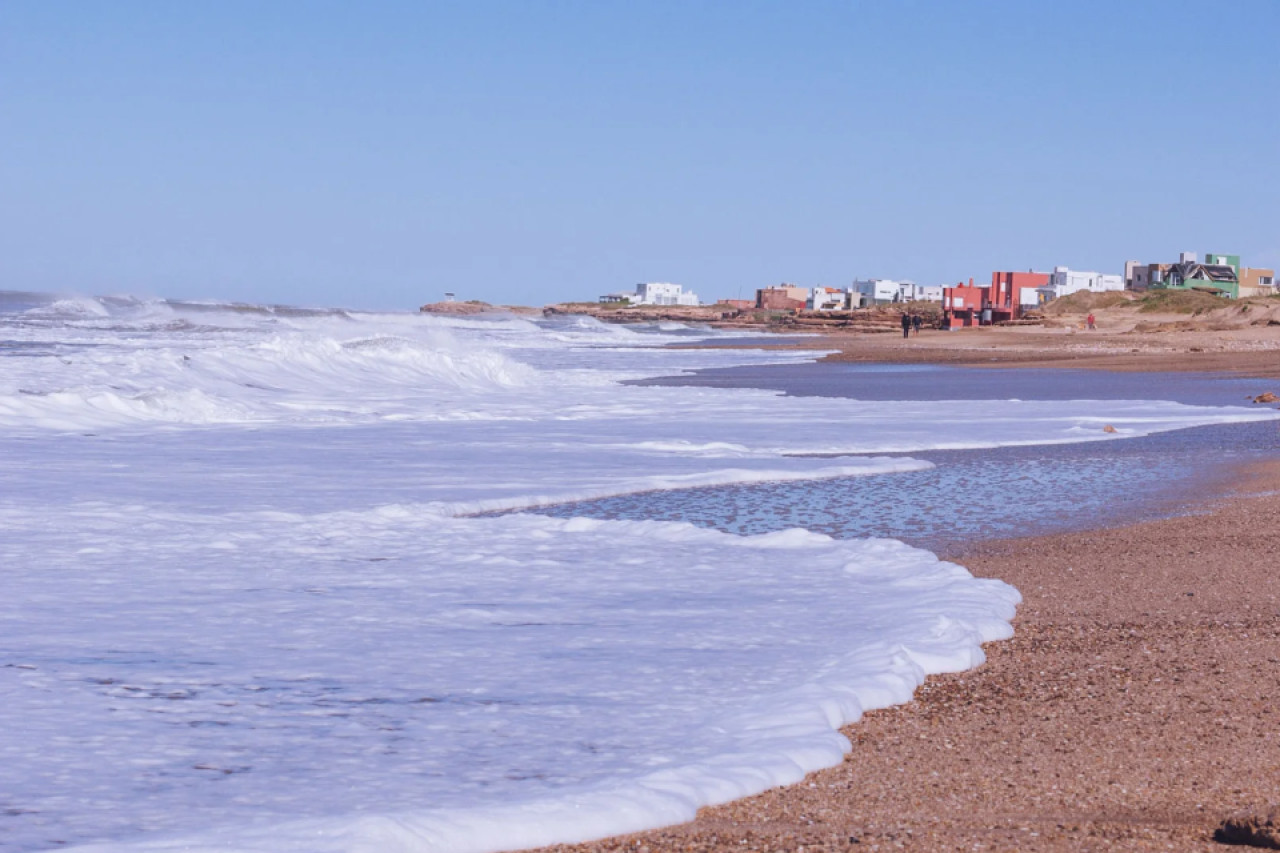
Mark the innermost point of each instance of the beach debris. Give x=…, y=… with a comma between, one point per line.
x=1266, y=397
x=1109, y=428
x=1251, y=830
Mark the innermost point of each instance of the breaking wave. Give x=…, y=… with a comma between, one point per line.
x=89, y=363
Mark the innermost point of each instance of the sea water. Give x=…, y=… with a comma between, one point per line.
x=969, y=495
x=254, y=600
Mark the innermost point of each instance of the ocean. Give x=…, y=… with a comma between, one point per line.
x=968, y=495
x=294, y=579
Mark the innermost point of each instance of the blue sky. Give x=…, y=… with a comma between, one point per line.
x=379, y=154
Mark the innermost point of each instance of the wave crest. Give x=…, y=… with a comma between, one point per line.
x=205, y=375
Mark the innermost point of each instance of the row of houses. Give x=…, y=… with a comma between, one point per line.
x=1008, y=292
x=1221, y=275
x=860, y=294
x=1007, y=296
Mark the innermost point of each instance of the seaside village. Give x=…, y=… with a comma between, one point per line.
x=1009, y=297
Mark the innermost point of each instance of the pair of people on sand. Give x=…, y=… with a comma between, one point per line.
x=911, y=322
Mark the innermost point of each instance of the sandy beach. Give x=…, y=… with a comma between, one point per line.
x=1248, y=352
x=1133, y=709
x=1236, y=338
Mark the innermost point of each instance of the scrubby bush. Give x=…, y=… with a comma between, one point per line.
x=1084, y=301
x=1180, y=302
x=930, y=311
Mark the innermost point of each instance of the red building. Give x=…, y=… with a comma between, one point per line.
x=1013, y=284
x=970, y=305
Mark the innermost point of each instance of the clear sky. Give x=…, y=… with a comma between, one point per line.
x=379, y=154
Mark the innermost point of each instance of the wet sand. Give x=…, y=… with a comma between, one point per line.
x=1251, y=351
x=1135, y=708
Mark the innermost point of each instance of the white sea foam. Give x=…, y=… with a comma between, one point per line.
x=247, y=610
x=390, y=662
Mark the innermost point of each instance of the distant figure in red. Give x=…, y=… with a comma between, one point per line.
x=1090, y=322
x=906, y=324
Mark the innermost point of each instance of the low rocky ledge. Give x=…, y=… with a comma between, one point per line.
x=475, y=306
x=877, y=319
x=647, y=313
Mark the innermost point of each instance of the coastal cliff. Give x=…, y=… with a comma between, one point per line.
x=879, y=319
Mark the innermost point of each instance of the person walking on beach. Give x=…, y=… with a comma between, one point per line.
x=1090, y=322
x=906, y=324
x=916, y=322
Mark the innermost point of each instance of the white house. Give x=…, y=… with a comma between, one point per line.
x=1064, y=281
x=828, y=299
x=664, y=293
x=909, y=291
x=876, y=291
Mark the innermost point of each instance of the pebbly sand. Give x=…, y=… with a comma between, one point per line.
x=1252, y=351
x=1135, y=708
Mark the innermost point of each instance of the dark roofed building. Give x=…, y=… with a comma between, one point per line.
x=1193, y=275
x=1215, y=274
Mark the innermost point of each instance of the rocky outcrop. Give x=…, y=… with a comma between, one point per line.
x=457, y=308
x=614, y=313
x=880, y=319
x=1251, y=830
x=472, y=307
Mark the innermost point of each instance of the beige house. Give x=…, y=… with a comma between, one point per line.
x=1256, y=281
x=782, y=297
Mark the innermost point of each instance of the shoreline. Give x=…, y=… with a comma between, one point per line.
x=1132, y=708
x=1253, y=353
x=1134, y=332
